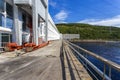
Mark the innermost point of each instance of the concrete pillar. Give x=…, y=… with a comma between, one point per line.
x=35, y=22
x=17, y=36
x=46, y=21
x=0, y=39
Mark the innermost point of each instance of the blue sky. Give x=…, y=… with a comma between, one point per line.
x=96, y=12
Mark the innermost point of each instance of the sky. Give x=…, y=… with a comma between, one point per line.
x=95, y=12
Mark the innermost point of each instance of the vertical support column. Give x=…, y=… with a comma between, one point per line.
x=0, y=39
x=46, y=17
x=35, y=22
x=17, y=35
x=9, y=38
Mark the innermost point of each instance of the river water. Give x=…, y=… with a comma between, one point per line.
x=110, y=51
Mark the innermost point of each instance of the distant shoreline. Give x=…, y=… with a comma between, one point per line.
x=101, y=41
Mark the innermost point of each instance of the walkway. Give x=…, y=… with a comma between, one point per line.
x=43, y=64
x=73, y=69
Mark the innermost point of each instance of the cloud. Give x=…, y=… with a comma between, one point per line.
x=52, y=3
x=61, y=16
x=114, y=21
x=60, y=22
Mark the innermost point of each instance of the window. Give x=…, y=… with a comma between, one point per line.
x=9, y=19
x=1, y=5
x=9, y=23
x=9, y=10
x=1, y=10
x=24, y=22
x=2, y=20
x=6, y=37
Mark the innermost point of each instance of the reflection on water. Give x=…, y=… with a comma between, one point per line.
x=110, y=51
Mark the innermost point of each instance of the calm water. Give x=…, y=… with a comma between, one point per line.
x=110, y=51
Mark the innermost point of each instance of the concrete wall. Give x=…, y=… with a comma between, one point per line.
x=29, y=2
x=36, y=8
x=53, y=33
x=41, y=9
x=70, y=36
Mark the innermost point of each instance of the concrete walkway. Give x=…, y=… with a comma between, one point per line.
x=46, y=63
x=42, y=64
x=53, y=49
x=73, y=69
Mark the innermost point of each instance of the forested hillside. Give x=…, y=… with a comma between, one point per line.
x=87, y=31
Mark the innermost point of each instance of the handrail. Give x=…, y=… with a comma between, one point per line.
x=108, y=62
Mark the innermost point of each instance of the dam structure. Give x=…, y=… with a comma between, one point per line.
x=28, y=22
x=32, y=48
x=24, y=21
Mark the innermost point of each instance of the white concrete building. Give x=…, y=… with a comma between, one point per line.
x=53, y=33
x=26, y=21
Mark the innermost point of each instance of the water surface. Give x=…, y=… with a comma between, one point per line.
x=110, y=51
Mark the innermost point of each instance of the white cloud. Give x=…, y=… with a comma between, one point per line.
x=52, y=3
x=114, y=21
x=60, y=22
x=61, y=16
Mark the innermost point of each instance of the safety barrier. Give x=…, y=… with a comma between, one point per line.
x=83, y=54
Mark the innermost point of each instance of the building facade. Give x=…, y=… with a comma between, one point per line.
x=26, y=21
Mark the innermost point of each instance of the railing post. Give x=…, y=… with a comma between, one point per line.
x=104, y=71
x=83, y=55
x=86, y=58
x=109, y=71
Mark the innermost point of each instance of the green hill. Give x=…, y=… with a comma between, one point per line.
x=87, y=31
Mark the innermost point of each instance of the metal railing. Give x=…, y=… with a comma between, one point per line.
x=107, y=64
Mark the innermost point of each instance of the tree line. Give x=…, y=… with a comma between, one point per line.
x=87, y=31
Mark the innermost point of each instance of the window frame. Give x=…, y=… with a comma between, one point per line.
x=5, y=15
x=2, y=4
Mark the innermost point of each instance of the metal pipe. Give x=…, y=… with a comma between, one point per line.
x=104, y=71
x=110, y=71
